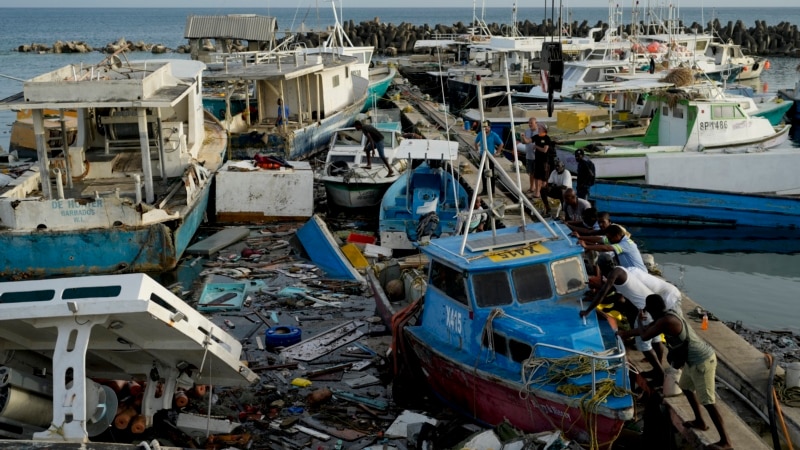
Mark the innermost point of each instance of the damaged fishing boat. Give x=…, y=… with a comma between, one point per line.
x=129, y=193
x=64, y=339
x=500, y=337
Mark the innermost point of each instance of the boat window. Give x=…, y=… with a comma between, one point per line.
x=520, y=351
x=677, y=113
x=492, y=289
x=335, y=80
x=572, y=73
x=345, y=158
x=498, y=343
x=532, y=283
x=91, y=292
x=27, y=296
x=725, y=112
x=449, y=281
x=568, y=275
x=665, y=111
x=592, y=75
x=347, y=72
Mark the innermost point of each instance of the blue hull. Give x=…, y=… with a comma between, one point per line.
x=642, y=203
x=402, y=207
x=324, y=251
x=151, y=248
x=705, y=239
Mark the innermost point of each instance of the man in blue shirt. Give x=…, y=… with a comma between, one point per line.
x=283, y=113
x=493, y=142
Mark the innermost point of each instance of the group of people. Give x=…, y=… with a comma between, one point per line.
x=653, y=306
x=547, y=175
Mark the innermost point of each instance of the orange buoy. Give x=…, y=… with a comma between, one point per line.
x=180, y=399
x=765, y=87
x=199, y=390
x=766, y=65
x=123, y=417
x=138, y=424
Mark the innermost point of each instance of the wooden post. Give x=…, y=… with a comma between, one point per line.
x=41, y=151
x=144, y=143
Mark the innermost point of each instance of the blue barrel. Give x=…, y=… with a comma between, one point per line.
x=467, y=125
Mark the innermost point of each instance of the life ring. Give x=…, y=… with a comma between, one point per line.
x=282, y=336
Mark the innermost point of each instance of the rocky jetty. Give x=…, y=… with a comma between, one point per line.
x=390, y=39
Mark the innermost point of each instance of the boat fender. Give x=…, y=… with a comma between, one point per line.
x=282, y=336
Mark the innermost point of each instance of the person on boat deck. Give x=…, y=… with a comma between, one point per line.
x=526, y=145
x=574, y=207
x=494, y=142
x=629, y=286
x=698, y=375
x=283, y=113
x=374, y=142
x=479, y=217
x=560, y=180
x=585, y=173
x=541, y=165
x=616, y=241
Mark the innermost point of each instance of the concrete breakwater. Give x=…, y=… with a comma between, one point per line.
x=389, y=39
x=112, y=47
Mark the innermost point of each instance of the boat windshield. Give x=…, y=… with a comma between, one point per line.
x=492, y=289
x=568, y=275
x=449, y=281
x=532, y=283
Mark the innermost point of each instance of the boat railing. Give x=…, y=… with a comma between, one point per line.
x=595, y=358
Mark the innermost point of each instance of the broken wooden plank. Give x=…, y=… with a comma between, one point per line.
x=218, y=241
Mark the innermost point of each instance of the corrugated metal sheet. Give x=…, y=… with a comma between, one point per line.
x=250, y=27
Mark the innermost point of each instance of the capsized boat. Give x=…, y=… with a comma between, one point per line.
x=425, y=201
x=498, y=335
x=132, y=189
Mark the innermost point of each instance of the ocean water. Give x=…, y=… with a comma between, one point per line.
x=750, y=280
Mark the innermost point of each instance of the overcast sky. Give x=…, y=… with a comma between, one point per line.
x=372, y=3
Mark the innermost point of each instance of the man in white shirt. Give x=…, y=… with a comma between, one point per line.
x=560, y=180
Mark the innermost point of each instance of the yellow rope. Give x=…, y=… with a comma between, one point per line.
x=559, y=371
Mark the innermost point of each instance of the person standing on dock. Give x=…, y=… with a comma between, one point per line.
x=585, y=173
x=493, y=142
x=374, y=142
x=541, y=166
x=698, y=375
x=526, y=145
